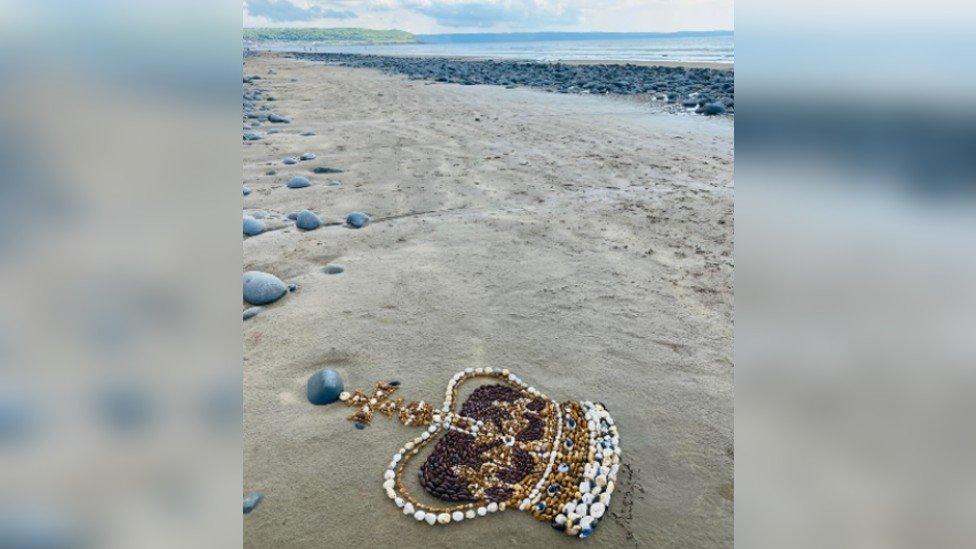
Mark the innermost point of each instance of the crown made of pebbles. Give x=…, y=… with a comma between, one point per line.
x=510, y=446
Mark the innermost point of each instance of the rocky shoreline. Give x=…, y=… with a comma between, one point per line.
x=707, y=91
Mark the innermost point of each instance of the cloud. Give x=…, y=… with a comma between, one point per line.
x=490, y=13
x=283, y=11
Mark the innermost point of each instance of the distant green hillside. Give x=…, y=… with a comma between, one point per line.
x=335, y=36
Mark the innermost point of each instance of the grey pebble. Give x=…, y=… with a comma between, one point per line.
x=253, y=227
x=262, y=288
x=298, y=182
x=307, y=220
x=252, y=312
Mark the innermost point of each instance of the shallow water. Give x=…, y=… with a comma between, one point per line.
x=694, y=49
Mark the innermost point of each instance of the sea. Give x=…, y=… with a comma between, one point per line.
x=711, y=47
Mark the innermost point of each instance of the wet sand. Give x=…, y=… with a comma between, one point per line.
x=584, y=242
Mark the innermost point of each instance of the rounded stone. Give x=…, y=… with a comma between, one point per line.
x=711, y=109
x=307, y=156
x=251, y=501
x=357, y=220
x=252, y=312
x=253, y=227
x=247, y=190
x=289, y=160
x=262, y=288
x=299, y=182
x=333, y=269
x=307, y=221
x=259, y=214
x=324, y=387
x=293, y=216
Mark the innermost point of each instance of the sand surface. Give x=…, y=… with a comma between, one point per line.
x=583, y=242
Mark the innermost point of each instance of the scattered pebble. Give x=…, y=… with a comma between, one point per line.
x=299, y=182
x=289, y=160
x=252, y=312
x=308, y=156
x=271, y=172
x=253, y=227
x=251, y=501
x=273, y=130
x=251, y=136
x=360, y=425
x=308, y=221
x=275, y=119
x=712, y=109
x=325, y=169
x=247, y=190
x=292, y=287
x=293, y=216
x=308, y=133
x=357, y=220
x=324, y=387
x=333, y=269
x=262, y=288
x=259, y=214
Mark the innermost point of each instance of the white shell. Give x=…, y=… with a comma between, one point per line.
x=470, y=514
x=569, y=507
x=388, y=484
x=457, y=516
x=560, y=519
x=584, y=487
x=443, y=518
x=482, y=511
x=492, y=507
x=597, y=510
x=581, y=509
x=601, y=480
x=586, y=522
x=399, y=502
x=431, y=518
x=408, y=509
x=419, y=515
x=389, y=474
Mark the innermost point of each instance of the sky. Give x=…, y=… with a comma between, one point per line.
x=440, y=16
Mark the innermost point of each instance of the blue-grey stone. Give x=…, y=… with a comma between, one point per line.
x=274, y=118
x=298, y=182
x=308, y=133
x=273, y=130
x=247, y=190
x=251, y=136
x=259, y=214
x=251, y=501
x=333, y=269
x=293, y=216
x=357, y=220
x=713, y=109
x=307, y=221
x=262, y=288
x=324, y=387
x=253, y=227
x=289, y=160
x=252, y=312
x=308, y=156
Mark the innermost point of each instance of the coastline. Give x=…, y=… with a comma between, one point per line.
x=583, y=241
x=702, y=90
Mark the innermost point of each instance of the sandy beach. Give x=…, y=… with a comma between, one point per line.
x=584, y=242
